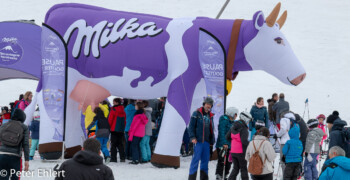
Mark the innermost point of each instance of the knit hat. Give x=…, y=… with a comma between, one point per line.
x=312, y=123
x=19, y=115
x=334, y=116
x=231, y=111
x=321, y=116
x=245, y=116
x=36, y=115
x=259, y=124
x=208, y=100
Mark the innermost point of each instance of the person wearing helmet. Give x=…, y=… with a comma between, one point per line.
x=5, y=115
x=238, y=136
x=322, y=126
x=201, y=133
x=223, y=146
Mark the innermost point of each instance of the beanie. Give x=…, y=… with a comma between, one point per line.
x=331, y=118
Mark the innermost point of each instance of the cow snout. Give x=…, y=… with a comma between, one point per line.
x=298, y=79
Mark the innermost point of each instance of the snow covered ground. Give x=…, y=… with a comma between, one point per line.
x=316, y=29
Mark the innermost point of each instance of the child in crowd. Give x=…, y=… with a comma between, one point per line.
x=34, y=129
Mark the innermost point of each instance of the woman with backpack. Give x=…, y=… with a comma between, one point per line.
x=238, y=136
x=261, y=150
x=102, y=131
x=27, y=99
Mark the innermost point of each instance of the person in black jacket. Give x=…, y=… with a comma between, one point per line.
x=10, y=156
x=102, y=131
x=86, y=164
x=303, y=129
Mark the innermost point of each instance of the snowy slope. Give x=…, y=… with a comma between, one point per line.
x=316, y=29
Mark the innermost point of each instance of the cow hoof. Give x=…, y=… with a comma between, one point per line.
x=165, y=161
x=71, y=151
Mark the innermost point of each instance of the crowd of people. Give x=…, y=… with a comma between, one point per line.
x=248, y=141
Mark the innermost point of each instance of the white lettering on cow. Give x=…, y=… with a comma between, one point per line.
x=104, y=33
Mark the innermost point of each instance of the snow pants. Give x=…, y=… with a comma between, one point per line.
x=221, y=160
x=34, y=146
x=103, y=141
x=239, y=163
x=136, y=148
x=145, y=149
x=310, y=168
x=117, y=142
x=201, y=153
x=8, y=162
x=292, y=171
x=128, y=149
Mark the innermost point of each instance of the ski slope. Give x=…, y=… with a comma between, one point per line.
x=318, y=31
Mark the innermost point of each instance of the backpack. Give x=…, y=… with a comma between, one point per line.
x=16, y=106
x=11, y=133
x=346, y=139
x=256, y=164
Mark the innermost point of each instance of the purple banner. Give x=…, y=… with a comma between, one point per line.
x=53, y=79
x=212, y=61
x=20, y=55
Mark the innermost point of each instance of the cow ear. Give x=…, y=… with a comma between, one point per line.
x=258, y=20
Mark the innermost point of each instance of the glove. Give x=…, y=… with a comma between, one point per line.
x=275, y=136
x=309, y=158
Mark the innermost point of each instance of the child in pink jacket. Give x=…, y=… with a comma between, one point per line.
x=322, y=126
x=137, y=131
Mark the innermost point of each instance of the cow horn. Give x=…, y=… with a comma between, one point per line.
x=271, y=19
x=282, y=19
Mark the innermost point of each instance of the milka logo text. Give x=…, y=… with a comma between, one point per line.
x=104, y=32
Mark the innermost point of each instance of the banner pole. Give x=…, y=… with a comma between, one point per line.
x=222, y=9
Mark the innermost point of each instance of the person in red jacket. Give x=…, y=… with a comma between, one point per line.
x=116, y=119
x=5, y=115
x=137, y=131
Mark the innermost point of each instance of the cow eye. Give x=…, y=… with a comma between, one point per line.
x=279, y=40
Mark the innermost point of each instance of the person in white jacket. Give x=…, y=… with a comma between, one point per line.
x=282, y=134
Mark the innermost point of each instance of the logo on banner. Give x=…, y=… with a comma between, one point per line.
x=10, y=51
x=104, y=33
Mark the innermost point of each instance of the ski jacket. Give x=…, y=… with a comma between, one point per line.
x=280, y=107
x=224, y=127
x=258, y=114
x=23, y=104
x=117, y=119
x=313, y=140
x=293, y=149
x=323, y=127
x=238, y=135
x=285, y=126
x=266, y=152
x=101, y=124
x=272, y=113
x=303, y=128
x=17, y=150
x=85, y=165
x=34, y=128
x=138, y=124
x=341, y=171
x=6, y=116
x=200, y=129
x=89, y=115
x=148, y=128
x=335, y=136
x=130, y=112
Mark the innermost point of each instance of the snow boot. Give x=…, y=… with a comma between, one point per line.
x=192, y=176
x=203, y=176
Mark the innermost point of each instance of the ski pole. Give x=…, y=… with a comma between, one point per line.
x=222, y=9
x=223, y=174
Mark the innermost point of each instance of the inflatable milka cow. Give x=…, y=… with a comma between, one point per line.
x=143, y=56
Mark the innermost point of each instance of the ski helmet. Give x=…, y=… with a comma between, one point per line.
x=245, y=116
x=208, y=100
x=231, y=111
x=321, y=116
x=259, y=124
x=312, y=123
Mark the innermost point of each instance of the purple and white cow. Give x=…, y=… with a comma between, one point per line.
x=143, y=56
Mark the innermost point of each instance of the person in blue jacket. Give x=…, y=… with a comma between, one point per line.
x=34, y=129
x=258, y=112
x=337, y=167
x=201, y=132
x=223, y=146
x=130, y=112
x=292, y=151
